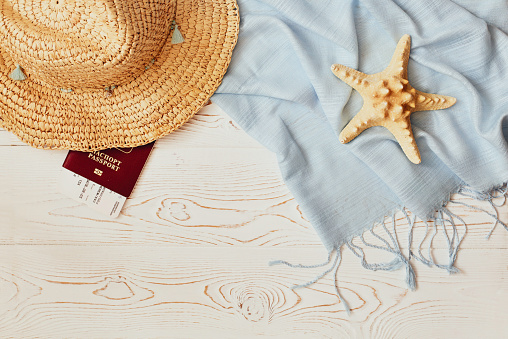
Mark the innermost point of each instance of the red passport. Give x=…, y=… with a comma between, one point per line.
x=117, y=169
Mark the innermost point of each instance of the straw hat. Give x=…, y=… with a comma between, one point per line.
x=95, y=74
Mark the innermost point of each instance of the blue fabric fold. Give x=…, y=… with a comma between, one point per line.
x=279, y=88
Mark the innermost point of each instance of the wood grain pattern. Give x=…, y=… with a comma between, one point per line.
x=188, y=257
x=126, y=291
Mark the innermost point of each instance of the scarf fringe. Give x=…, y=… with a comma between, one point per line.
x=451, y=226
x=334, y=267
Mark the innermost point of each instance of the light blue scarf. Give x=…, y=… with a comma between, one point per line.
x=280, y=89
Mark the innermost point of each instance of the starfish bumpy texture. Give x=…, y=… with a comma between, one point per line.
x=389, y=100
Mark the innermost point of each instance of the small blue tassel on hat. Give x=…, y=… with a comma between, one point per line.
x=17, y=74
x=177, y=37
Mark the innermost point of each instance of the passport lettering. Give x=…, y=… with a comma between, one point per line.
x=104, y=159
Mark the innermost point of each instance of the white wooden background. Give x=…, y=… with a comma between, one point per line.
x=188, y=256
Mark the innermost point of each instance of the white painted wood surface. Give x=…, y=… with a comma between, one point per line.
x=188, y=256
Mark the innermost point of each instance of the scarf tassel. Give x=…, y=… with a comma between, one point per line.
x=334, y=267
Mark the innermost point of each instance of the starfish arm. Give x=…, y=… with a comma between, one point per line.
x=428, y=101
x=352, y=77
x=403, y=133
x=360, y=122
x=400, y=58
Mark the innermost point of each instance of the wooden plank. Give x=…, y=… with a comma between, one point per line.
x=188, y=197
x=149, y=291
x=188, y=256
x=191, y=196
x=227, y=195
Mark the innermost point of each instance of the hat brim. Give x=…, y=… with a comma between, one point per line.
x=179, y=82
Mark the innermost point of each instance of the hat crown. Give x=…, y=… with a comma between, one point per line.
x=84, y=44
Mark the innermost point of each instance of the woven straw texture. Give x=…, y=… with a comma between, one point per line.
x=103, y=74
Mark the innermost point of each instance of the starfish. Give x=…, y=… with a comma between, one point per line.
x=389, y=100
